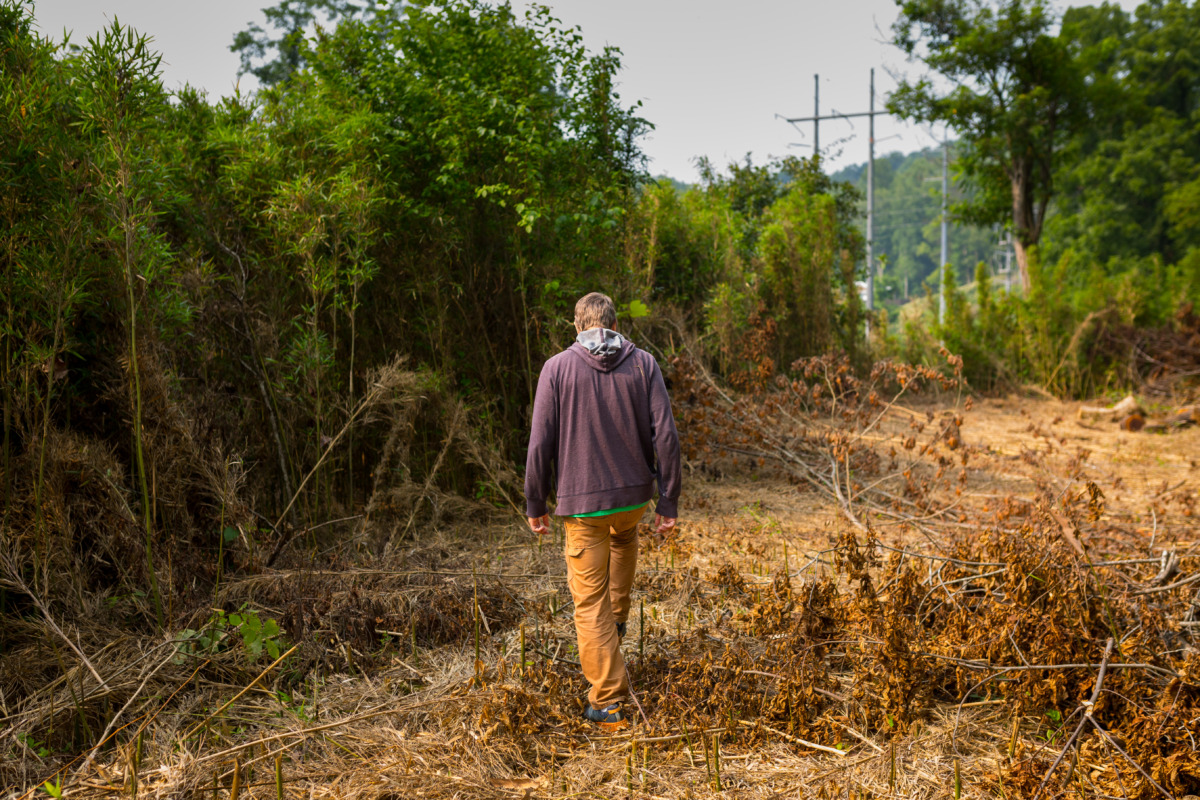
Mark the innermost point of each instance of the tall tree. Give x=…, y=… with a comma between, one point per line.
x=281, y=51
x=1122, y=178
x=1015, y=97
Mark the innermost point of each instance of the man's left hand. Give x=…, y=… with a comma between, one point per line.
x=540, y=524
x=663, y=524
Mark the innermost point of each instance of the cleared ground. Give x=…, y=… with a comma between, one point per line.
x=787, y=641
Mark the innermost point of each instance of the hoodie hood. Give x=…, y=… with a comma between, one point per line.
x=602, y=349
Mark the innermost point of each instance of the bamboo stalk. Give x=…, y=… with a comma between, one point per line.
x=131, y=761
x=475, y=610
x=717, y=758
x=629, y=768
x=641, y=627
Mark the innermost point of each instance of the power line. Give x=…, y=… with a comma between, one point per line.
x=870, y=114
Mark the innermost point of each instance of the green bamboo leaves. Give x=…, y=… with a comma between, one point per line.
x=120, y=99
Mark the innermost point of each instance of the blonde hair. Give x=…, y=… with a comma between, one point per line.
x=595, y=310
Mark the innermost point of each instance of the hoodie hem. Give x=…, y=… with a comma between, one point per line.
x=570, y=505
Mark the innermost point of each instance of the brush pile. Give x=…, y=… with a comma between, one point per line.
x=1164, y=361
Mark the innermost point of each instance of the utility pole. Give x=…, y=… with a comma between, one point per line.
x=945, y=230
x=816, y=120
x=871, y=202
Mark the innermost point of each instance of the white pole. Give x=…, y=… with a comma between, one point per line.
x=945, y=230
x=816, y=115
x=871, y=202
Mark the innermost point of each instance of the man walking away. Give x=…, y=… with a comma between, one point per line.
x=602, y=426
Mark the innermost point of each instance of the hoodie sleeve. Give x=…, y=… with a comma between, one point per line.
x=543, y=445
x=666, y=445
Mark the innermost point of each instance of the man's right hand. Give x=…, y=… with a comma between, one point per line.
x=540, y=524
x=663, y=524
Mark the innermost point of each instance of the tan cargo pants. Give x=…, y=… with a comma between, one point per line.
x=601, y=557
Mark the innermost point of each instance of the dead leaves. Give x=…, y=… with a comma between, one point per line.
x=524, y=787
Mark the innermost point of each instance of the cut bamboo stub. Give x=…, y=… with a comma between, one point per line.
x=1127, y=406
x=795, y=739
x=716, y=748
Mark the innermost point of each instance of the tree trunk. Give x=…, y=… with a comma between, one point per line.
x=1027, y=227
x=1022, y=251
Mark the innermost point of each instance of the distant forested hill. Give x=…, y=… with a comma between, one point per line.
x=908, y=224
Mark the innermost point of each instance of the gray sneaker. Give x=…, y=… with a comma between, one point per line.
x=609, y=718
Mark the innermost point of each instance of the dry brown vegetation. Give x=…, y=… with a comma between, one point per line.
x=880, y=588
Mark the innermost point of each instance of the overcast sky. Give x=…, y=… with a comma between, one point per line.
x=711, y=76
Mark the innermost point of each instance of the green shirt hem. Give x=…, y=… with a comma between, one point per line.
x=612, y=510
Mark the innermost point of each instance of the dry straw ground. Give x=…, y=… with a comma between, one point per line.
x=874, y=592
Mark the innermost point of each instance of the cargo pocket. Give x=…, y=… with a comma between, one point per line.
x=574, y=548
x=578, y=538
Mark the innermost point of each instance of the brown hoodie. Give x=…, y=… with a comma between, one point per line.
x=602, y=426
